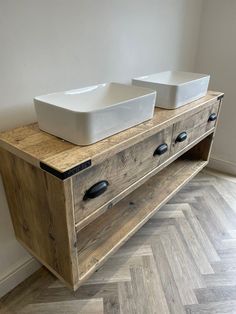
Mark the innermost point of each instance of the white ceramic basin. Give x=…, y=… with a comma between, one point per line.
x=86, y=115
x=175, y=89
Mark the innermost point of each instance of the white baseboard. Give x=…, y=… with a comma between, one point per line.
x=222, y=166
x=20, y=272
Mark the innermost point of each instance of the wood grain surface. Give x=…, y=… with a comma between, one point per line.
x=41, y=210
x=120, y=170
x=198, y=149
x=194, y=125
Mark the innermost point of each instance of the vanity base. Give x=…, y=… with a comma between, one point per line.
x=73, y=235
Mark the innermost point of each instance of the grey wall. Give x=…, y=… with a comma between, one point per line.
x=217, y=56
x=56, y=45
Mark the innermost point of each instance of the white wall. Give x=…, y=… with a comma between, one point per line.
x=56, y=45
x=217, y=56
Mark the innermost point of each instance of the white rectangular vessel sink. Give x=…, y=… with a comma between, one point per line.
x=86, y=115
x=174, y=88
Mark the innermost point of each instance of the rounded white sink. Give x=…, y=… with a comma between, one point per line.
x=86, y=115
x=174, y=88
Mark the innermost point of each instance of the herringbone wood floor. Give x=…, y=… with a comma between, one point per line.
x=182, y=261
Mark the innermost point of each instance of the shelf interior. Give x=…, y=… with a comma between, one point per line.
x=110, y=230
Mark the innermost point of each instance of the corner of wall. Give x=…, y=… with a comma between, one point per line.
x=222, y=166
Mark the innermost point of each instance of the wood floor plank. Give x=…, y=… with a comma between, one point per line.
x=66, y=307
x=140, y=294
x=216, y=205
x=208, y=221
x=227, y=190
x=216, y=294
x=227, y=253
x=226, y=307
x=194, y=247
x=156, y=299
x=220, y=279
x=126, y=298
x=228, y=244
x=226, y=207
x=183, y=269
x=228, y=265
x=232, y=233
x=111, y=304
x=167, y=279
x=203, y=239
x=144, y=279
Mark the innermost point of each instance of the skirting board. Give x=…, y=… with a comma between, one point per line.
x=222, y=166
x=17, y=275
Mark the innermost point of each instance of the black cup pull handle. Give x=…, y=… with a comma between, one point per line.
x=181, y=137
x=161, y=149
x=96, y=190
x=212, y=117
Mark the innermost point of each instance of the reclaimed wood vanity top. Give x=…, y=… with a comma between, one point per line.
x=42, y=149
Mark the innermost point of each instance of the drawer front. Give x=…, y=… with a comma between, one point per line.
x=189, y=129
x=98, y=185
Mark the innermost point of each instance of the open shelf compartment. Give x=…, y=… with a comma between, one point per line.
x=102, y=237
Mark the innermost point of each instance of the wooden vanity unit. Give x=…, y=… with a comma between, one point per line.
x=73, y=206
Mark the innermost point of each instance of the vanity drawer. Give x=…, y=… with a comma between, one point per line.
x=189, y=129
x=97, y=186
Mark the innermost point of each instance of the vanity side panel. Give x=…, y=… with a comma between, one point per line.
x=41, y=211
x=216, y=109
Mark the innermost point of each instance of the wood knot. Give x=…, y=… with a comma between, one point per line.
x=132, y=205
x=25, y=227
x=110, y=206
x=51, y=236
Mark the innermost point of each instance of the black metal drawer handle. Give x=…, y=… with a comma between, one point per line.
x=212, y=117
x=96, y=190
x=181, y=137
x=161, y=149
